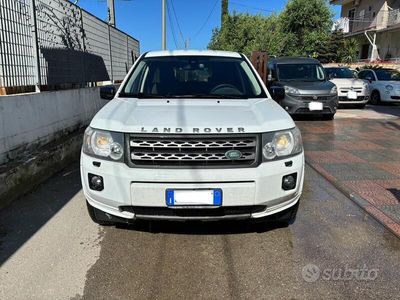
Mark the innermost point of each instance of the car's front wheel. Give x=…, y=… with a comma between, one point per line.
x=329, y=117
x=93, y=216
x=360, y=106
x=288, y=216
x=375, y=98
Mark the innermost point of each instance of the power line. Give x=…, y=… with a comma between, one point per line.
x=172, y=25
x=207, y=19
x=177, y=21
x=252, y=7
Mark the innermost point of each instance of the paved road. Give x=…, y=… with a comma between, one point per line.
x=49, y=249
x=360, y=152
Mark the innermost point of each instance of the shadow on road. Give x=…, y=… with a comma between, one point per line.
x=20, y=220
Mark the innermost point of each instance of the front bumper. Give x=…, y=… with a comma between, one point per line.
x=361, y=99
x=139, y=193
x=299, y=105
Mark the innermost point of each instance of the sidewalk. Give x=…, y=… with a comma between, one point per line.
x=360, y=154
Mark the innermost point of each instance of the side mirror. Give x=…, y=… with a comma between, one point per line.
x=108, y=92
x=278, y=93
x=369, y=78
x=331, y=76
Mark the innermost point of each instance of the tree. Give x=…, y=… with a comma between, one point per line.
x=332, y=50
x=246, y=33
x=349, y=51
x=303, y=28
x=308, y=24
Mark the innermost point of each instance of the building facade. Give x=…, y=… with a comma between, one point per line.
x=375, y=24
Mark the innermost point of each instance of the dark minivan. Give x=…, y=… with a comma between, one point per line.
x=307, y=88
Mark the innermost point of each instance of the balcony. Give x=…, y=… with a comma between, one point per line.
x=370, y=21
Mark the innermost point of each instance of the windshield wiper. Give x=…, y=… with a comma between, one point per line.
x=140, y=95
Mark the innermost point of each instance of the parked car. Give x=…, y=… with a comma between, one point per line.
x=384, y=84
x=307, y=89
x=351, y=90
x=192, y=135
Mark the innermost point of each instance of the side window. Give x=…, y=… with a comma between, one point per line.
x=362, y=74
x=370, y=76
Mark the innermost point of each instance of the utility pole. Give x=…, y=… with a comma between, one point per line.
x=35, y=45
x=224, y=10
x=111, y=13
x=163, y=25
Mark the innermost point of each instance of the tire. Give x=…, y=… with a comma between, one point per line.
x=281, y=219
x=288, y=216
x=328, y=117
x=360, y=106
x=92, y=214
x=375, y=98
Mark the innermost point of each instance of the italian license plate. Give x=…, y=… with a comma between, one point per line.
x=352, y=95
x=315, y=106
x=194, y=197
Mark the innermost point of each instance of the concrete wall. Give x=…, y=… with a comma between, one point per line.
x=30, y=120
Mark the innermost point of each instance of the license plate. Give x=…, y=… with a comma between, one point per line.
x=194, y=197
x=315, y=106
x=352, y=95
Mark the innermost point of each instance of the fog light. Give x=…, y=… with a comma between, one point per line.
x=289, y=182
x=96, y=182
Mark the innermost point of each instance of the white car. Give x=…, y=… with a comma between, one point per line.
x=384, y=84
x=192, y=135
x=351, y=90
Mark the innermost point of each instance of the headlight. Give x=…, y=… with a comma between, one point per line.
x=291, y=90
x=281, y=144
x=366, y=86
x=334, y=90
x=105, y=144
x=389, y=87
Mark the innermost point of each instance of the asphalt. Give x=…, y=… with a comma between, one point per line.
x=49, y=249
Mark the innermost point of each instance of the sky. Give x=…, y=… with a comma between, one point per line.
x=196, y=18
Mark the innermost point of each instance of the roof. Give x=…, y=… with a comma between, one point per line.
x=377, y=69
x=294, y=60
x=193, y=53
x=336, y=67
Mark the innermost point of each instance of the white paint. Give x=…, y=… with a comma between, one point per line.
x=37, y=118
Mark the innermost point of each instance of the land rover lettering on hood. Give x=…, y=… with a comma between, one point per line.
x=191, y=135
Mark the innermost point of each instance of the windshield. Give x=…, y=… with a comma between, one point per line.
x=300, y=72
x=193, y=77
x=339, y=73
x=387, y=75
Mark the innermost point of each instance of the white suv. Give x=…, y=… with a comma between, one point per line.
x=351, y=91
x=192, y=135
x=384, y=84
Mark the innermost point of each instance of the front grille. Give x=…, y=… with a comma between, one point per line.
x=359, y=98
x=303, y=110
x=345, y=90
x=192, y=150
x=310, y=98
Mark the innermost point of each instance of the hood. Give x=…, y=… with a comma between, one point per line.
x=314, y=87
x=192, y=116
x=348, y=82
